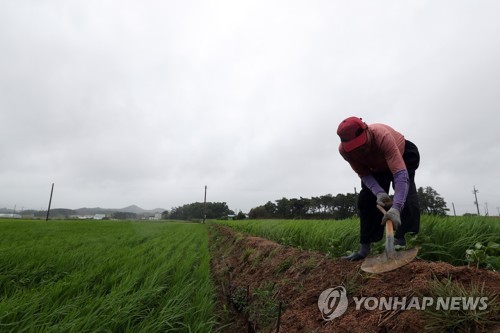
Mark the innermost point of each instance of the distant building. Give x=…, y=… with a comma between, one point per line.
x=85, y=217
x=156, y=217
x=10, y=216
x=99, y=216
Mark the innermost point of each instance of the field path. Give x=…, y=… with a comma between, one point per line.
x=296, y=278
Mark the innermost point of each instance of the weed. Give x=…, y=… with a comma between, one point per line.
x=475, y=318
x=284, y=266
x=247, y=253
x=239, y=298
x=238, y=238
x=487, y=256
x=352, y=283
x=308, y=265
x=335, y=249
x=263, y=308
x=273, y=253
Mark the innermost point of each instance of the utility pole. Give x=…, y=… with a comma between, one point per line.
x=50, y=201
x=475, y=195
x=486, y=209
x=454, y=213
x=205, y=205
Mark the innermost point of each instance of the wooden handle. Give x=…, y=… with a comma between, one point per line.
x=389, y=229
x=381, y=209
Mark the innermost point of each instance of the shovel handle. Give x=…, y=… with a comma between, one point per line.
x=389, y=234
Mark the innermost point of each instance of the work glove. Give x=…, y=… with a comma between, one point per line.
x=384, y=200
x=393, y=215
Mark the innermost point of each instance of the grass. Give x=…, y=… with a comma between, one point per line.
x=106, y=276
x=440, y=238
x=482, y=310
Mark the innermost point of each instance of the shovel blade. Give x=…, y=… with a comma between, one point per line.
x=382, y=263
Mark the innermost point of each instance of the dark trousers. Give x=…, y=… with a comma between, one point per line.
x=370, y=217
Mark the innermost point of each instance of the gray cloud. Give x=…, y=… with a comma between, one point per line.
x=120, y=102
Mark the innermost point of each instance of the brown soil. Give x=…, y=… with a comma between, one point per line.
x=242, y=263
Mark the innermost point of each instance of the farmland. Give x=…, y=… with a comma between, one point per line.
x=69, y=276
x=260, y=277
x=110, y=276
x=441, y=238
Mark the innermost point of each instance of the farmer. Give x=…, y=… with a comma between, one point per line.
x=380, y=155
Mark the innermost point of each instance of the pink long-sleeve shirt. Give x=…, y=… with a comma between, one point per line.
x=382, y=152
x=385, y=152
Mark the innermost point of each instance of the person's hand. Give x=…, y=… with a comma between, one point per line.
x=393, y=215
x=384, y=200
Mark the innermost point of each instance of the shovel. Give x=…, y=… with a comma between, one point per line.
x=390, y=259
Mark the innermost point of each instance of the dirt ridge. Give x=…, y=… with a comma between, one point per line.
x=297, y=278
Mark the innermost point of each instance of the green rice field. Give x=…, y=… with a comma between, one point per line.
x=110, y=276
x=456, y=240
x=105, y=276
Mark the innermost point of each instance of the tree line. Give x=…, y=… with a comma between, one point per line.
x=328, y=206
x=340, y=206
x=337, y=207
x=197, y=210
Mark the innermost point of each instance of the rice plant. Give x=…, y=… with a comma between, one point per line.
x=105, y=276
x=440, y=238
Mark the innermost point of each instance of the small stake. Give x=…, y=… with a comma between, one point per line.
x=249, y=327
x=279, y=317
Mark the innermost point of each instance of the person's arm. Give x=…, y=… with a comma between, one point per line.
x=372, y=184
x=395, y=162
x=401, y=187
x=383, y=199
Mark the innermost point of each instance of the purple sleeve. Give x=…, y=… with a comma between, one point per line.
x=401, y=186
x=372, y=184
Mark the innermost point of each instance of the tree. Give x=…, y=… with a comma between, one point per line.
x=345, y=205
x=327, y=203
x=283, y=208
x=196, y=211
x=259, y=212
x=299, y=207
x=124, y=215
x=270, y=208
x=431, y=202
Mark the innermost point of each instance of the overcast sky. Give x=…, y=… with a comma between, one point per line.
x=146, y=102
